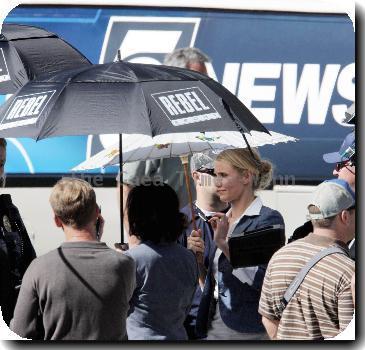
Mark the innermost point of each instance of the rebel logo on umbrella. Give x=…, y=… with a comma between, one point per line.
x=186, y=106
x=4, y=72
x=25, y=110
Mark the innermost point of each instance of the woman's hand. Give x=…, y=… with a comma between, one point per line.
x=220, y=227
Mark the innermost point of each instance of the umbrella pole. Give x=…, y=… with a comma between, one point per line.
x=121, y=190
x=199, y=256
x=185, y=161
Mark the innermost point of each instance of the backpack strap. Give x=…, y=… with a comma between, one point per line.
x=297, y=281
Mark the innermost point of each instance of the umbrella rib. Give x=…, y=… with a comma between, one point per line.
x=147, y=109
x=132, y=152
x=191, y=151
x=121, y=82
x=32, y=38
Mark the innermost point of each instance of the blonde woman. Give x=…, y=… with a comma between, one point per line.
x=229, y=307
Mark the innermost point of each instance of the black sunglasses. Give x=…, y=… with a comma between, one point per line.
x=341, y=165
x=206, y=171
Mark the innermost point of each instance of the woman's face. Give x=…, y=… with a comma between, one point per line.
x=230, y=183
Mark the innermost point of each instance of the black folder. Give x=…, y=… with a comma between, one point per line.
x=255, y=247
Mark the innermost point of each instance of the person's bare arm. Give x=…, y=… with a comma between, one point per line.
x=271, y=327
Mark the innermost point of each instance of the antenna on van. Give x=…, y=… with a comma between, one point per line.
x=119, y=55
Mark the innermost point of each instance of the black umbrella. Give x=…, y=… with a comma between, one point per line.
x=26, y=52
x=123, y=97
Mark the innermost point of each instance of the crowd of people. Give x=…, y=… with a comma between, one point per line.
x=175, y=280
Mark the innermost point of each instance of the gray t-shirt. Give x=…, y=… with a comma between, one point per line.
x=167, y=276
x=80, y=291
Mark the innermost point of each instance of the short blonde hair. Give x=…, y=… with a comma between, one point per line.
x=74, y=202
x=241, y=159
x=321, y=223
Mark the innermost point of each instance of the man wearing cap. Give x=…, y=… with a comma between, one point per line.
x=322, y=306
x=206, y=205
x=344, y=160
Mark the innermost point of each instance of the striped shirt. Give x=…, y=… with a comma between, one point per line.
x=322, y=306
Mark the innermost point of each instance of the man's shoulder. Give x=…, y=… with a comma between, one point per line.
x=120, y=258
x=303, y=247
x=46, y=257
x=58, y=253
x=291, y=249
x=343, y=261
x=42, y=263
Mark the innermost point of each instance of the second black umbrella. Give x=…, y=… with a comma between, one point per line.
x=26, y=52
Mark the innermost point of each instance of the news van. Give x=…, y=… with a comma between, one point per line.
x=291, y=63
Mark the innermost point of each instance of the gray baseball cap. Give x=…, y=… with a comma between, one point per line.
x=202, y=160
x=331, y=197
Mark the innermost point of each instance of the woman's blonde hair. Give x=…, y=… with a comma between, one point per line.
x=241, y=159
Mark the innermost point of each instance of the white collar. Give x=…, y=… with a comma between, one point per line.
x=253, y=209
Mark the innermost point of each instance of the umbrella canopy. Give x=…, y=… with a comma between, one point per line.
x=26, y=52
x=142, y=147
x=350, y=117
x=122, y=97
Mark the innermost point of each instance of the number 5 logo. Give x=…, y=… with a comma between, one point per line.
x=147, y=39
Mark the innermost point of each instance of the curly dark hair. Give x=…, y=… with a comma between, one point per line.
x=153, y=213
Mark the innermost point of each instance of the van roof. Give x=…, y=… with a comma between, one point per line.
x=308, y=6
